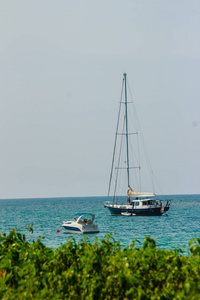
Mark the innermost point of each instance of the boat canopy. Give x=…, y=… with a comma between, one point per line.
x=131, y=193
x=80, y=214
x=85, y=216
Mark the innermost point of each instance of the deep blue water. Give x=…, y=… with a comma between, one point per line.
x=173, y=230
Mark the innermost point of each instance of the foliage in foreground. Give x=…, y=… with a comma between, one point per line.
x=103, y=270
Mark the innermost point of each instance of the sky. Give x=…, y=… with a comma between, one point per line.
x=61, y=69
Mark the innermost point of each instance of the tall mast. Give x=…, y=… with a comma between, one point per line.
x=126, y=119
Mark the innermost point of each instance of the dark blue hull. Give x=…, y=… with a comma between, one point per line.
x=70, y=228
x=154, y=211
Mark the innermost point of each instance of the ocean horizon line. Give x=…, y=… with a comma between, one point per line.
x=76, y=197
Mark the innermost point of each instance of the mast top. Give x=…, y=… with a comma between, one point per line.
x=126, y=120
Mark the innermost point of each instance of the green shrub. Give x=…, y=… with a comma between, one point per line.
x=103, y=270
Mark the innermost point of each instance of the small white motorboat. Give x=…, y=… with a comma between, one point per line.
x=82, y=223
x=127, y=214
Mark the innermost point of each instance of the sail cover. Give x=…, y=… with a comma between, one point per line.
x=131, y=193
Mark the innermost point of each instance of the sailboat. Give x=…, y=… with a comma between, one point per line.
x=134, y=203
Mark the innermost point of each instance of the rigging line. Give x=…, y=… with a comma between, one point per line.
x=142, y=139
x=140, y=175
x=157, y=183
x=133, y=120
x=135, y=157
x=122, y=182
x=127, y=152
x=135, y=162
x=135, y=150
x=117, y=173
x=113, y=158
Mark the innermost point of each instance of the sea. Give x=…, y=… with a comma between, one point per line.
x=171, y=231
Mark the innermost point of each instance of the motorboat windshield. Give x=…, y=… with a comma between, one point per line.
x=85, y=218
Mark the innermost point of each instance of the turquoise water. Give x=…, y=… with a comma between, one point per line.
x=173, y=230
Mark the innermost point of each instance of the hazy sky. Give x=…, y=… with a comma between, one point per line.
x=61, y=68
